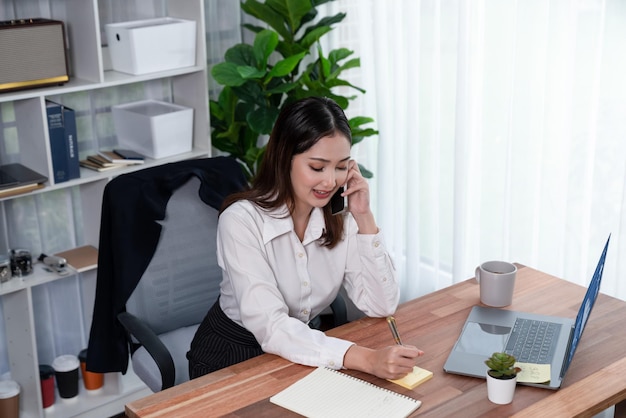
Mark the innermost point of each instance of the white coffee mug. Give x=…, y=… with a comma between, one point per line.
x=497, y=282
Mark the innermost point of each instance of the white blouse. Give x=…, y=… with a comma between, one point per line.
x=273, y=284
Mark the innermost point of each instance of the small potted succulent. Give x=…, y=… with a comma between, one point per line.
x=501, y=378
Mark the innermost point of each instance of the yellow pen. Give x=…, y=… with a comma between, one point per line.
x=394, y=329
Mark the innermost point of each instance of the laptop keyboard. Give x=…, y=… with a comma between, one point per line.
x=533, y=341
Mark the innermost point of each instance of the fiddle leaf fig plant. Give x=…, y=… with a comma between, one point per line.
x=283, y=64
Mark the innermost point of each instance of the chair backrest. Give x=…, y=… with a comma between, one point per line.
x=182, y=280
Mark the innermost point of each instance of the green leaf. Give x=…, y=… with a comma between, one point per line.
x=240, y=54
x=359, y=136
x=227, y=101
x=353, y=63
x=341, y=101
x=292, y=10
x=286, y=66
x=264, y=44
x=262, y=119
x=337, y=55
x=287, y=49
x=326, y=21
x=226, y=74
x=248, y=72
x=325, y=67
x=313, y=36
x=282, y=88
x=365, y=172
x=251, y=93
x=365, y=132
x=266, y=14
x=357, y=121
x=216, y=111
x=224, y=145
x=242, y=109
x=248, y=139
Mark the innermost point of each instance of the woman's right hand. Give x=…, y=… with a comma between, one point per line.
x=392, y=362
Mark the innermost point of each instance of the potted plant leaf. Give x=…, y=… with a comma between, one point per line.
x=501, y=377
x=283, y=64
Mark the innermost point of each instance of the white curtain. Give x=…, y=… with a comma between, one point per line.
x=502, y=134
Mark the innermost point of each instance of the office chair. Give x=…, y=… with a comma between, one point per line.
x=177, y=289
x=179, y=281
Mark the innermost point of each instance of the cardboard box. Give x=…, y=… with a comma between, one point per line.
x=154, y=128
x=150, y=45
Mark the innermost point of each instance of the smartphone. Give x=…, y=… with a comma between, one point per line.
x=338, y=202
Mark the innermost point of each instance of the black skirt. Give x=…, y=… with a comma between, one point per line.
x=219, y=342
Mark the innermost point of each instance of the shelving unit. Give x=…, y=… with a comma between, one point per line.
x=88, y=73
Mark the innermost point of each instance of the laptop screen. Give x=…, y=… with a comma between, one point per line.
x=585, y=307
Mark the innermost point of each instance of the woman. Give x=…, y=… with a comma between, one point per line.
x=284, y=256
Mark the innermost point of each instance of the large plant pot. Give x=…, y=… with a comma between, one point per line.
x=501, y=391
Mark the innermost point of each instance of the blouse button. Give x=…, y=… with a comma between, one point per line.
x=305, y=312
x=300, y=255
x=331, y=363
x=376, y=244
x=305, y=284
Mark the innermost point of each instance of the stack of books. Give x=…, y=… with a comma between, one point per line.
x=110, y=160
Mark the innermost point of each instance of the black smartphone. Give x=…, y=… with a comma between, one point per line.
x=337, y=202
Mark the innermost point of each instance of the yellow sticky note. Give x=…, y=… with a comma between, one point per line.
x=413, y=379
x=533, y=373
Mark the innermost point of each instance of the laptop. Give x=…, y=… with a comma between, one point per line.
x=488, y=330
x=16, y=175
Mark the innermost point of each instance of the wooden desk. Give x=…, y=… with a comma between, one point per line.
x=595, y=381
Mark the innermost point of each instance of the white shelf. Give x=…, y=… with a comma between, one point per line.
x=104, y=402
x=86, y=56
x=92, y=176
x=111, y=79
x=38, y=277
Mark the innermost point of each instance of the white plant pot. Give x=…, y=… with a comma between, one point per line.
x=501, y=391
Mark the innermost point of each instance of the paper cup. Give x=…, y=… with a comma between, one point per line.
x=46, y=380
x=66, y=372
x=91, y=380
x=9, y=399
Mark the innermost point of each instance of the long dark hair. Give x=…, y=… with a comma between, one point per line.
x=299, y=126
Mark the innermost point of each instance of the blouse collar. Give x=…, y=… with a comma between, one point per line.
x=277, y=222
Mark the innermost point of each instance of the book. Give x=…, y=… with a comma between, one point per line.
x=81, y=258
x=69, y=125
x=17, y=190
x=113, y=157
x=101, y=161
x=94, y=166
x=58, y=148
x=331, y=393
x=414, y=379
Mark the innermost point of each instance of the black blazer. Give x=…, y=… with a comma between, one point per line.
x=131, y=205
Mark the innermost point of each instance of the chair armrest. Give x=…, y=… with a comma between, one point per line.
x=153, y=345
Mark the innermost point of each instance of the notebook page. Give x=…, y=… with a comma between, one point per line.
x=329, y=393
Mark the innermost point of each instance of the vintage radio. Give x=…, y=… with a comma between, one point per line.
x=32, y=54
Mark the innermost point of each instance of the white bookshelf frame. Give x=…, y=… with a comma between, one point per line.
x=87, y=58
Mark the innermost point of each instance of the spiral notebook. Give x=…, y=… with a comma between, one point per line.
x=330, y=393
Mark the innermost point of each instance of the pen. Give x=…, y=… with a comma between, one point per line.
x=394, y=329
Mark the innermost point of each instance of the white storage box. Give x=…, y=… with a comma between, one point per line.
x=150, y=45
x=153, y=128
